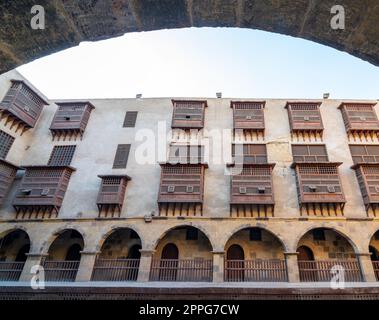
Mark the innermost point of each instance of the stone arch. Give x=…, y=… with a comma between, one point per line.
x=104, y=236
x=79, y=22
x=230, y=234
x=330, y=228
x=10, y=247
x=54, y=235
x=200, y=228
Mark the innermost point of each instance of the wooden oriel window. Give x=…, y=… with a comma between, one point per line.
x=121, y=157
x=309, y=153
x=21, y=106
x=62, y=155
x=111, y=195
x=305, y=117
x=130, y=119
x=364, y=153
x=6, y=142
x=186, y=154
x=360, y=118
x=41, y=192
x=319, y=188
x=71, y=119
x=181, y=189
x=248, y=115
x=188, y=114
x=249, y=153
x=7, y=175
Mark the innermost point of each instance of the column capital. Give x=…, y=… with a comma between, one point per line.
x=36, y=254
x=88, y=252
x=291, y=253
x=147, y=252
x=218, y=251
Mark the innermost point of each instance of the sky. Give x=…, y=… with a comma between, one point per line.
x=198, y=62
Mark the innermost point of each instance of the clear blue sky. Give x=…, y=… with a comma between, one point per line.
x=241, y=63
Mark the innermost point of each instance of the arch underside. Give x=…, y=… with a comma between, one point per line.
x=70, y=22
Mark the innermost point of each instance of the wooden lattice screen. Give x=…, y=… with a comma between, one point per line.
x=248, y=115
x=186, y=154
x=305, y=119
x=7, y=175
x=251, y=190
x=62, y=155
x=181, y=189
x=360, y=120
x=319, y=188
x=70, y=120
x=111, y=195
x=21, y=106
x=309, y=153
x=188, y=114
x=6, y=142
x=41, y=192
x=365, y=153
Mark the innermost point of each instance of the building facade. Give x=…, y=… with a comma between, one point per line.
x=187, y=190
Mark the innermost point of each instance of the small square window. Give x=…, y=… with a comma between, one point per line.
x=189, y=189
x=243, y=190
x=261, y=190
x=188, y=117
x=45, y=192
x=331, y=189
x=171, y=189
x=192, y=234
x=312, y=189
x=255, y=234
x=318, y=235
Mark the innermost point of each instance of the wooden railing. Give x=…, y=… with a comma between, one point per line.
x=115, y=270
x=10, y=270
x=60, y=270
x=319, y=271
x=181, y=270
x=375, y=264
x=255, y=271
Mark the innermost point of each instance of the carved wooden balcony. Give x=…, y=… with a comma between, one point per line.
x=7, y=175
x=368, y=180
x=42, y=191
x=305, y=119
x=319, y=188
x=111, y=195
x=70, y=120
x=360, y=120
x=248, y=118
x=21, y=106
x=251, y=191
x=181, y=190
x=188, y=114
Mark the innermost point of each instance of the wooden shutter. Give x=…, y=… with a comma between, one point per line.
x=309, y=153
x=251, y=153
x=248, y=115
x=304, y=116
x=6, y=142
x=62, y=155
x=121, y=157
x=130, y=119
x=365, y=153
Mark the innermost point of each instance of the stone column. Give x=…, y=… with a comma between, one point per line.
x=87, y=262
x=145, y=265
x=33, y=259
x=367, y=269
x=292, y=266
x=218, y=266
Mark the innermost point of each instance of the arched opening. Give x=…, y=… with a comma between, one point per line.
x=321, y=251
x=13, y=249
x=119, y=257
x=374, y=250
x=183, y=254
x=254, y=254
x=63, y=259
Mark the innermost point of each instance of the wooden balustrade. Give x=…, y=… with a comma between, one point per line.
x=60, y=270
x=181, y=270
x=320, y=271
x=10, y=270
x=115, y=270
x=375, y=264
x=255, y=271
